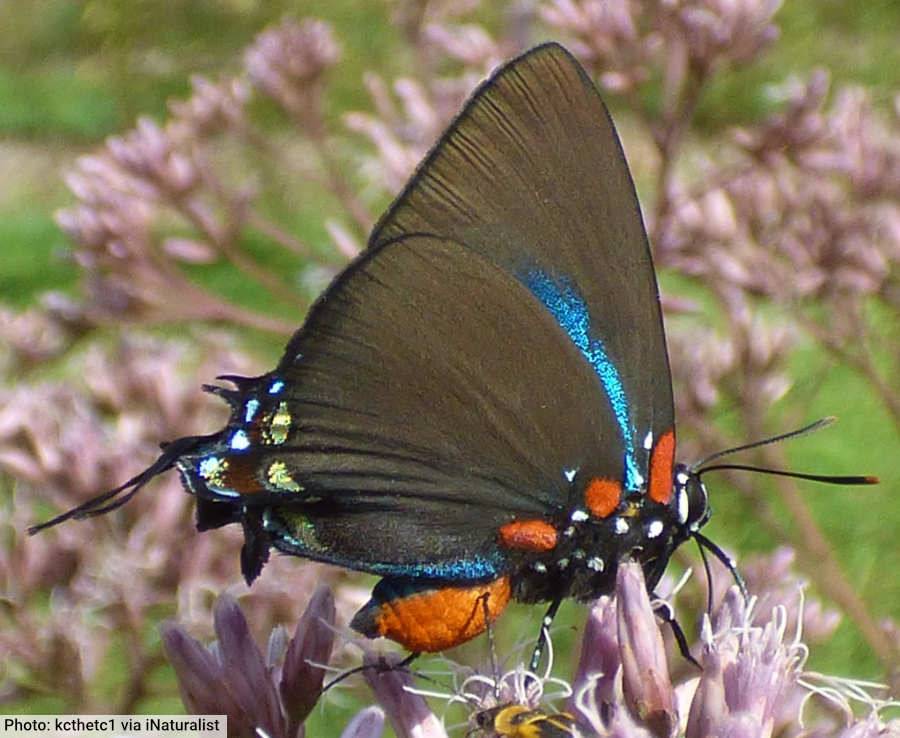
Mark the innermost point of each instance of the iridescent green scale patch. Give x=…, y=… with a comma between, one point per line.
x=278, y=425
x=280, y=478
x=302, y=531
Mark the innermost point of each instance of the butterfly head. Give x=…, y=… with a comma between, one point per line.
x=690, y=501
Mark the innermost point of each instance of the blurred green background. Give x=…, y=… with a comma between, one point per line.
x=72, y=73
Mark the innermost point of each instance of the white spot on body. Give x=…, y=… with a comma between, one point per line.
x=595, y=563
x=621, y=526
x=683, y=508
x=569, y=474
x=578, y=516
x=577, y=554
x=539, y=567
x=654, y=529
x=682, y=478
x=562, y=563
x=569, y=532
x=547, y=621
x=648, y=440
x=276, y=387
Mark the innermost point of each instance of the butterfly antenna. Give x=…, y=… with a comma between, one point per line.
x=114, y=498
x=806, y=429
x=702, y=466
x=826, y=478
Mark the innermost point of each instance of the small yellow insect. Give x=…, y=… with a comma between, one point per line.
x=519, y=721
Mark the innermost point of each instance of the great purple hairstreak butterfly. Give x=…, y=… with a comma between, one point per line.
x=479, y=407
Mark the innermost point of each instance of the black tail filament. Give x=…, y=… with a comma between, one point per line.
x=115, y=498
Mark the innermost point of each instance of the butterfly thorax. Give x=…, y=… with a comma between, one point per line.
x=588, y=547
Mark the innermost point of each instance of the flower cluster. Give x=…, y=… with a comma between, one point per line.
x=108, y=576
x=752, y=681
x=274, y=693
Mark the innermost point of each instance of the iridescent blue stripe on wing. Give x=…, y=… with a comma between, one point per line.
x=471, y=569
x=570, y=311
x=477, y=567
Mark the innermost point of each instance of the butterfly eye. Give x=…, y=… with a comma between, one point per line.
x=691, y=500
x=697, y=504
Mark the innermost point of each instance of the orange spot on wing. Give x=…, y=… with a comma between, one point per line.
x=438, y=619
x=662, y=461
x=602, y=496
x=528, y=535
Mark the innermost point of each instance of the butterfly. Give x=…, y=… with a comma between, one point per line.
x=479, y=407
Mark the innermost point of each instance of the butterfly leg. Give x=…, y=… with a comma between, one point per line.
x=492, y=645
x=726, y=560
x=381, y=667
x=663, y=610
x=542, y=638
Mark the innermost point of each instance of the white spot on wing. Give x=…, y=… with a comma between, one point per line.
x=209, y=466
x=578, y=516
x=621, y=526
x=250, y=410
x=240, y=441
x=569, y=474
x=595, y=563
x=648, y=440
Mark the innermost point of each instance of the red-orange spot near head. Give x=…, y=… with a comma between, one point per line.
x=662, y=461
x=528, y=535
x=602, y=496
x=438, y=619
